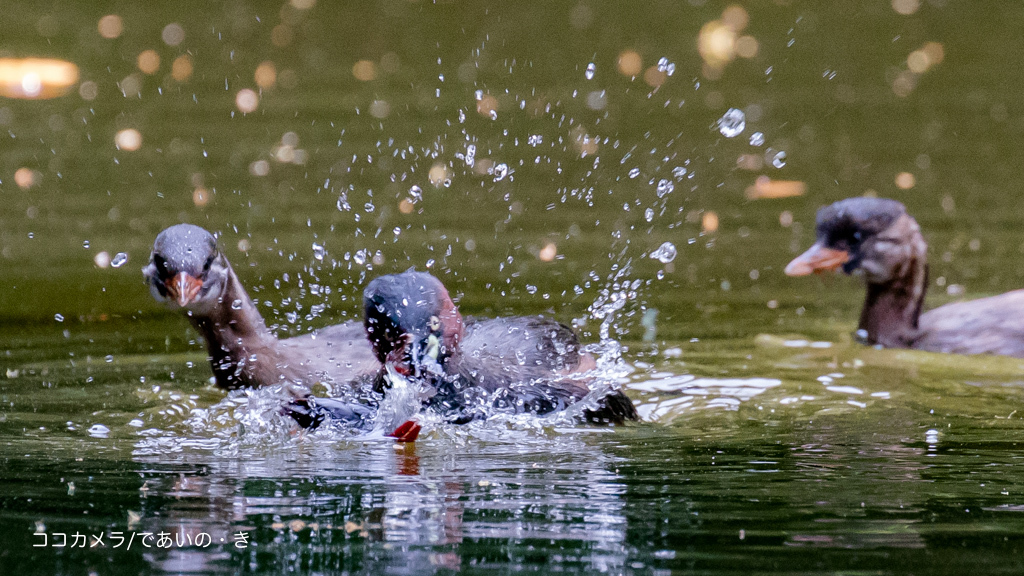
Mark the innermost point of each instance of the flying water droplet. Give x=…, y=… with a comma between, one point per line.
x=416, y=193
x=109, y=358
x=665, y=187
x=590, y=71
x=665, y=253
x=119, y=259
x=779, y=159
x=500, y=171
x=98, y=431
x=319, y=252
x=649, y=214
x=58, y=317
x=679, y=172
x=665, y=66
x=634, y=172
x=757, y=139
x=236, y=305
x=732, y=123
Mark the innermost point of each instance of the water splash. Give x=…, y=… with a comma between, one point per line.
x=665, y=253
x=732, y=123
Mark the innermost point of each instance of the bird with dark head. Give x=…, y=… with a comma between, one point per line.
x=877, y=238
x=411, y=322
x=187, y=271
x=518, y=364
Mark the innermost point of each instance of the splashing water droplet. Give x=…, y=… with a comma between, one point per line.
x=757, y=139
x=236, y=305
x=319, y=252
x=291, y=317
x=58, y=317
x=591, y=68
x=500, y=171
x=649, y=214
x=779, y=159
x=343, y=205
x=119, y=259
x=98, y=431
x=665, y=253
x=109, y=358
x=665, y=66
x=679, y=172
x=634, y=172
x=359, y=257
x=665, y=187
x=416, y=193
x=732, y=123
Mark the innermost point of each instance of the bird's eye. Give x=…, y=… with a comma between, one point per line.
x=160, y=263
x=209, y=262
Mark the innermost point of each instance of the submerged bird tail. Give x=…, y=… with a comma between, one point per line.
x=615, y=408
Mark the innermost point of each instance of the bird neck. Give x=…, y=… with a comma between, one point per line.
x=892, y=308
x=235, y=334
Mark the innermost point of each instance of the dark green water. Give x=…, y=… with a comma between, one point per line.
x=772, y=443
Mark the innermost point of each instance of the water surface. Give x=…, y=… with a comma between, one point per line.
x=490, y=137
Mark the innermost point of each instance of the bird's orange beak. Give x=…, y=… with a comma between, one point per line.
x=183, y=288
x=817, y=258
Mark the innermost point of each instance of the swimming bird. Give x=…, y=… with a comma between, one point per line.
x=514, y=364
x=187, y=271
x=879, y=239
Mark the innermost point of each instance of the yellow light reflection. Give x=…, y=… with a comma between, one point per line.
x=36, y=78
x=765, y=187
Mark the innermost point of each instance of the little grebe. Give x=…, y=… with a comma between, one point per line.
x=518, y=364
x=878, y=238
x=187, y=271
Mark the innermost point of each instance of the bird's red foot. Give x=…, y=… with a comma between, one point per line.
x=407, y=432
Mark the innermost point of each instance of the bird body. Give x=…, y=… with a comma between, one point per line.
x=188, y=271
x=877, y=238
